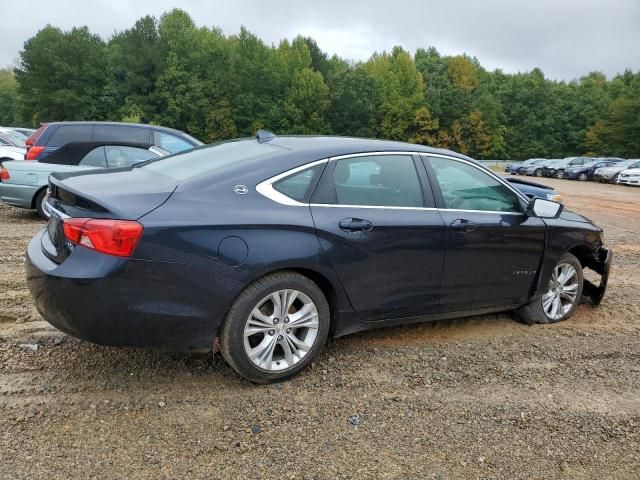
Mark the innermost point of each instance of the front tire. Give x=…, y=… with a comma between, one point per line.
x=561, y=296
x=275, y=327
x=560, y=174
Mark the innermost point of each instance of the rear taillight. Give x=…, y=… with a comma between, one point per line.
x=113, y=237
x=33, y=152
x=4, y=174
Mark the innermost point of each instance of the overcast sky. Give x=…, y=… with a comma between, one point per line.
x=566, y=38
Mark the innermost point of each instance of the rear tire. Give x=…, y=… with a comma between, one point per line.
x=538, y=172
x=288, y=348
x=38, y=203
x=560, y=174
x=546, y=309
x=583, y=177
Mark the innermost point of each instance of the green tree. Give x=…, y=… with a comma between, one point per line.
x=61, y=76
x=9, y=107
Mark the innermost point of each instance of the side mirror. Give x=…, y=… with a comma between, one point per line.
x=541, y=208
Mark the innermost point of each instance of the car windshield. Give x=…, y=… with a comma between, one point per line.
x=208, y=159
x=16, y=138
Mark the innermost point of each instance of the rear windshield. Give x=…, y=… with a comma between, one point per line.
x=209, y=159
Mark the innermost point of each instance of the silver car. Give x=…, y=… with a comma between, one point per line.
x=610, y=174
x=12, y=146
x=23, y=183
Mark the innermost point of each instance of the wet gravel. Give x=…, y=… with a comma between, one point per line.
x=484, y=397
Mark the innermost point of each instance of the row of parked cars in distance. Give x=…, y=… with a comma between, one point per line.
x=77, y=146
x=602, y=169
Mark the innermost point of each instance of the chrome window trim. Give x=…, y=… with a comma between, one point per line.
x=266, y=189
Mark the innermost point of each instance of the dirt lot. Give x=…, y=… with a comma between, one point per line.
x=483, y=397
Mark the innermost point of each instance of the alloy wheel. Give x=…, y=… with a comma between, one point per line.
x=562, y=293
x=280, y=330
x=582, y=177
x=560, y=174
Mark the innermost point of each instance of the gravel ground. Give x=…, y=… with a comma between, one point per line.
x=483, y=397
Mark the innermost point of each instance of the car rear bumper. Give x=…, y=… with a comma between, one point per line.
x=114, y=301
x=18, y=195
x=600, y=262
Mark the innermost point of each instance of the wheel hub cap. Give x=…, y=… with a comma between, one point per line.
x=280, y=330
x=562, y=293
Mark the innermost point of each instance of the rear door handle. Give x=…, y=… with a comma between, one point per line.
x=355, y=225
x=463, y=225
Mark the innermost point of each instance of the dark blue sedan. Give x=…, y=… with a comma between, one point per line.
x=585, y=172
x=274, y=243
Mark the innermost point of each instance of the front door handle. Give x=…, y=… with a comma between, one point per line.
x=463, y=225
x=355, y=225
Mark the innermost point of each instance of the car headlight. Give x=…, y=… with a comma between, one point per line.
x=602, y=238
x=554, y=197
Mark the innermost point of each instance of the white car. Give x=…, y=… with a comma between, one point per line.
x=630, y=176
x=12, y=145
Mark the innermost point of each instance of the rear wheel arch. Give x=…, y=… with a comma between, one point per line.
x=35, y=196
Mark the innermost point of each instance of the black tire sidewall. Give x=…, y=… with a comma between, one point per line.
x=232, y=332
x=38, y=203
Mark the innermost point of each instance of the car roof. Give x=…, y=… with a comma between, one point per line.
x=122, y=124
x=330, y=146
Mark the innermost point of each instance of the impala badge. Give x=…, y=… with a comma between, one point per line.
x=241, y=189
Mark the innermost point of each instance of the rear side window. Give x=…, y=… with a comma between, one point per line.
x=121, y=133
x=299, y=185
x=118, y=157
x=213, y=158
x=71, y=133
x=170, y=143
x=380, y=180
x=95, y=158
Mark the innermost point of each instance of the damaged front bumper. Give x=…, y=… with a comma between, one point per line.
x=599, y=262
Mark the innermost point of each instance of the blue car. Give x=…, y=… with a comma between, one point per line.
x=51, y=136
x=586, y=171
x=518, y=168
x=270, y=245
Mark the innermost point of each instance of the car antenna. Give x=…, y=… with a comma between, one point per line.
x=264, y=136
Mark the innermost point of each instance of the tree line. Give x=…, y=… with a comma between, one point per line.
x=168, y=71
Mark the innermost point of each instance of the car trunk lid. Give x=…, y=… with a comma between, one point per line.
x=126, y=194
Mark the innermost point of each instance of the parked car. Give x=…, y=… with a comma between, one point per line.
x=630, y=176
x=556, y=168
x=532, y=189
x=27, y=132
x=24, y=183
x=518, y=168
x=51, y=136
x=586, y=171
x=12, y=145
x=610, y=174
x=537, y=168
x=272, y=244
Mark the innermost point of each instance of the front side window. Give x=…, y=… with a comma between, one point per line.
x=377, y=180
x=95, y=158
x=465, y=187
x=118, y=157
x=170, y=143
